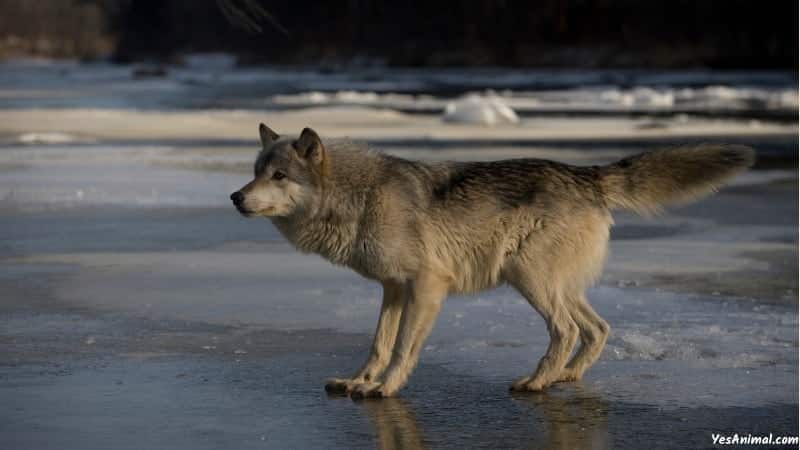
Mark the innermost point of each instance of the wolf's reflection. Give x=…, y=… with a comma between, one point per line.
x=572, y=418
x=395, y=424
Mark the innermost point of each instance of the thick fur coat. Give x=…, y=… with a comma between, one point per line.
x=426, y=230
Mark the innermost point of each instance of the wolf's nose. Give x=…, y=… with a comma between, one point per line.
x=237, y=198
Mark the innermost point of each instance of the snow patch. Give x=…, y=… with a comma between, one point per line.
x=480, y=110
x=634, y=345
x=589, y=98
x=46, y=138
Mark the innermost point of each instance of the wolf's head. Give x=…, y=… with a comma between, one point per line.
x=288, y=176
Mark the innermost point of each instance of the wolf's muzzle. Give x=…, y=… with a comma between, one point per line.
x=237, y=198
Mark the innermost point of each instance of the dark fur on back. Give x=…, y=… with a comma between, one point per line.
x=516, y=182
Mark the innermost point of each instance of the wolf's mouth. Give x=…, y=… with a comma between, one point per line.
x=250, y=213
x=244, y=211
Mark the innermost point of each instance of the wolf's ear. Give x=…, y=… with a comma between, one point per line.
x=309, y=146
x=267, y=136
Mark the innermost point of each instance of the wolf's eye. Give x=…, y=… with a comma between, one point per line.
x=278, y=175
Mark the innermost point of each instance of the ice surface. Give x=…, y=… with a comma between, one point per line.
x=64, y=178
x=489, y=335
x=220, y=62
x=57, y=177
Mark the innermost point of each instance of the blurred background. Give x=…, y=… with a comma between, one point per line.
x=138, y=309
x=600, y=57
x=735, y=34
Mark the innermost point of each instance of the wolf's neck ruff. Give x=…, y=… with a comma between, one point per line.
x=331, y=240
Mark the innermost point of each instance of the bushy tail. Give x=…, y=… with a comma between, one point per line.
x=646, y=182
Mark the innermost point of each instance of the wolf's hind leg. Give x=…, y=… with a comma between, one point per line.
x=394, y=297
x=593, y=331
x=550, y=303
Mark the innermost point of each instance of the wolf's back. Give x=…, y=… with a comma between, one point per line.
x=646, y=182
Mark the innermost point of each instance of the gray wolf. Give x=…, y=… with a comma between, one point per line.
x=426, y=230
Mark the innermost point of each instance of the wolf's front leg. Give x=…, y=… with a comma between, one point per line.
x=423, y=304
x=394, y=297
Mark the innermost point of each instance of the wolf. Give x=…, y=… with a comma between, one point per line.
x=424, y=230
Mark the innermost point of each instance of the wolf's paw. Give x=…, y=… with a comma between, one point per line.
x=369, y=389
x=519, y=384
x=528, y=384
x=568, y=375
x=341, y=386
